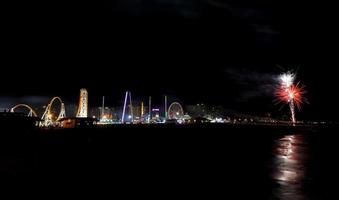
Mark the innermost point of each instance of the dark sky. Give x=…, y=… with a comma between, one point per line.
x=196, y=50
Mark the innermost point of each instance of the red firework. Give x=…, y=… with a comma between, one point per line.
x=294, y=94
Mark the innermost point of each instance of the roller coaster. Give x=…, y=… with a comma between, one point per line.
x=47, y=118
x=31, y=113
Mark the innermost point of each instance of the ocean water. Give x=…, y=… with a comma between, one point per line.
x=230, y=162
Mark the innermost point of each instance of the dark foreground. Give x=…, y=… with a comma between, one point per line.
x=250, y=162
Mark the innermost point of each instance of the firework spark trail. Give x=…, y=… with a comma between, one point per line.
x=292, y=112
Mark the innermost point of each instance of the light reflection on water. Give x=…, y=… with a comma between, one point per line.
x=289, y=168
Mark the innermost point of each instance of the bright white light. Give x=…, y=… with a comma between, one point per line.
x=219, y=120
x=287, y=79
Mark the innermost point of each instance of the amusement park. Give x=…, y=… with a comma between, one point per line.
x=54, y=114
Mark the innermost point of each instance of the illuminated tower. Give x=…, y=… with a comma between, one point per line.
x=83, y=104
x=166, y=114
x=103, y=107
x=142, y=109
x=149, y=109
x=62, y=112
x=128, y=94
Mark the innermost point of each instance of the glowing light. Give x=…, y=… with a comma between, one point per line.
x=47, y=116
x=293, y=94
x=31, y=111
x=128, y=94
x=175, y=111
x=83, y=104
x=287, y=79
x=289, y=93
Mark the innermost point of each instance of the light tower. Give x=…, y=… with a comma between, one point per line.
x=103, y=108
x=83, y=104
x=166, y=113
x=62, y=112
x=128, y=94
x=142, y=110
x=149, y=109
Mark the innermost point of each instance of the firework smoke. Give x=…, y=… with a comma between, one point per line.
x=290, y=93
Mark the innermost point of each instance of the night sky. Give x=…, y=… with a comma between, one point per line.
x=212, y=51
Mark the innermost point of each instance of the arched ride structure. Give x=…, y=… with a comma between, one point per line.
x=31, y=113
x=48, y=119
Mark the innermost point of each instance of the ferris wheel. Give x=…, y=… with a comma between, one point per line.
x=175, y=111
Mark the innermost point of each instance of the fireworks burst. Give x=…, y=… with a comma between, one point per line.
x=286, y=80
x=289, y=93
